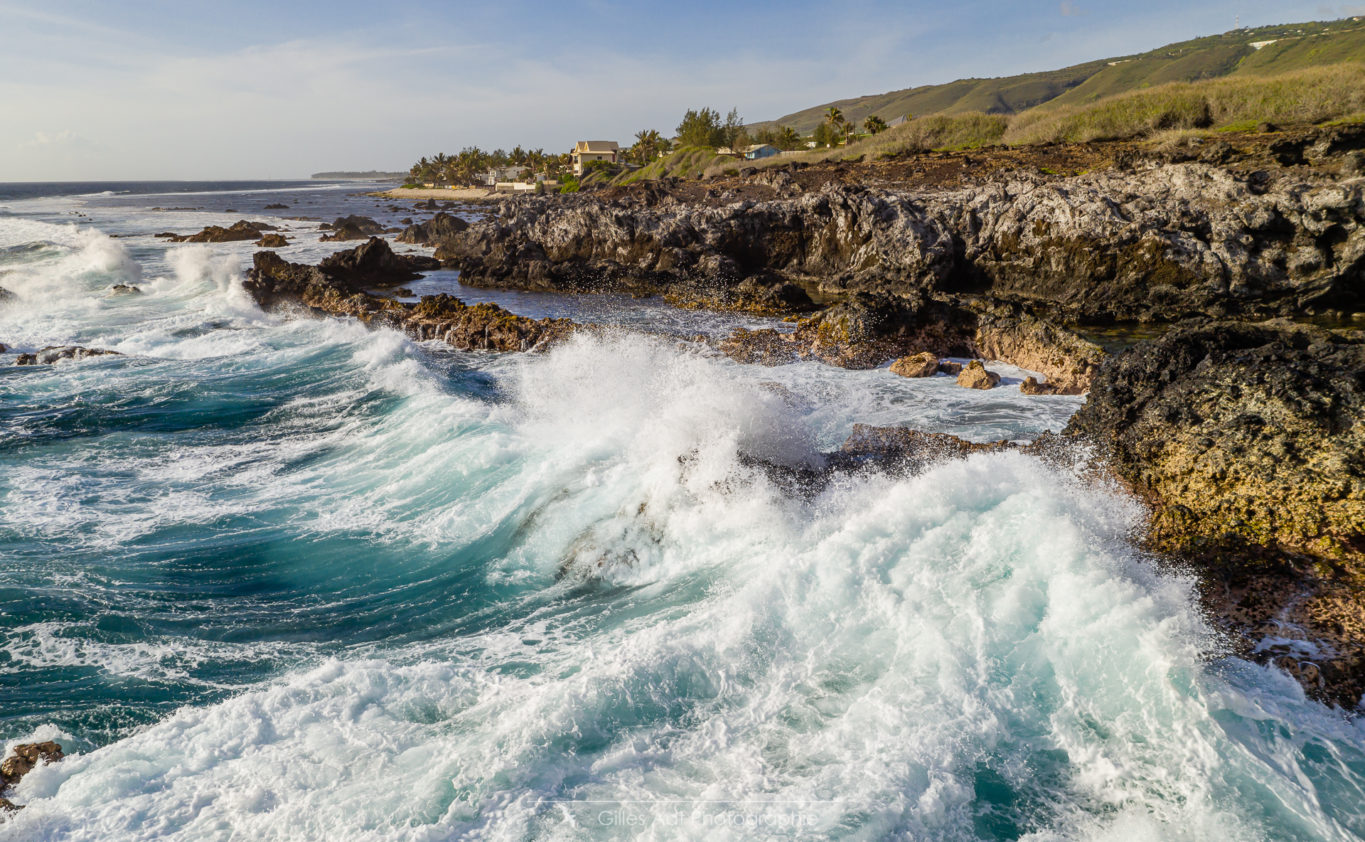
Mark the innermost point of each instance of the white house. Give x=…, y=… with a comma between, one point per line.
x=587, y=151
x=498, y=174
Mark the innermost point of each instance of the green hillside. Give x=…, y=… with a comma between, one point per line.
x=1295, y=46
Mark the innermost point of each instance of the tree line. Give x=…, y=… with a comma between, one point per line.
x=701, y=127
x=470, y=164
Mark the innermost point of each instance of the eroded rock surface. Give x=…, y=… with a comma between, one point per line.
x=1158, y=242
x=867, y=330
x=335, y=287
x=352, y=227
x=438, y=228
x=57, y=353
x=239, y=230
x=21, y=760
x=1248, y=441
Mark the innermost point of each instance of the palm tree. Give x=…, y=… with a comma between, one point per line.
x=788, y=138
x=647, y=145
x=834, y=117
x=440, y=167
x=850, y=132
x=874, y=124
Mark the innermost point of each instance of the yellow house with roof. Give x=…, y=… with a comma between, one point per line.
x=587, y=151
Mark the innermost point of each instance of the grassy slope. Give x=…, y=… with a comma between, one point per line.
x=1301, y=45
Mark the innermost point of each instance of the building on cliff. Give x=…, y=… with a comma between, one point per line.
x=587, y=151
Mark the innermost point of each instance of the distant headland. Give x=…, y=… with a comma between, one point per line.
x=366, y=175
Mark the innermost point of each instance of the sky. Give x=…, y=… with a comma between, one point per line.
x=146, y=89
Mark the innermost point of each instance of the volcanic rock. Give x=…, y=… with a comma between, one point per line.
x=1154, y=243
x=276, y=206
x=1031, y=386
x=352, y=228
x=272, y=241
x=56, y=353
x=239, y=230
x=24, y=757
x=1248, y=441
x=976, y=376
x=334, y=287
x=923, y=364
x=375, y=264
x=439, y=227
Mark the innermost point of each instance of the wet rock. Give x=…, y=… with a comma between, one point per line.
x=8, y=806
x=752, y=295
x=1157, y=243
x=276, y=206
x=949, y=368
x=1247, y=442
x=125, y=289
x=239, y=230
x=6, y=295
x=57, y=353
x=439, y=227
x=335, y=287
x=352, y=228
x=23, y=758
x=1031, y=386
x=923, y=364
x=375, y=264
x=866, y=330
x=976, y=376
x=272, y=241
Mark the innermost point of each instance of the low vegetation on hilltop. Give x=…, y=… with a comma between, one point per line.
x=1278, y=49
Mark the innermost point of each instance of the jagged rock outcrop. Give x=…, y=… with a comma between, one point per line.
x=334, y=288
x=272, y=241
x=975, y=375
x=239, y=230
x=351, y=228
x=24, y=757
x=1248, y=441
x=439, y=227
x=374, y=263
x=56, y=353
x=583, y=244
x=22, y=760
x=923, y=364
x=1159, y=242
x=866, y=330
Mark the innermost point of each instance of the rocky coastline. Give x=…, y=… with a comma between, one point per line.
x=1239, y=425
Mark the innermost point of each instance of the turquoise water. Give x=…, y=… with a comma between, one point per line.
x=294, y=579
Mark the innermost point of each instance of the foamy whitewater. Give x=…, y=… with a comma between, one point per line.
x=300, y=580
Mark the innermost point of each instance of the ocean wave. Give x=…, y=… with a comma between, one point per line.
x=674, y=640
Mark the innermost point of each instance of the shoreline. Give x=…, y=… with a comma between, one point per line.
x=465, y=194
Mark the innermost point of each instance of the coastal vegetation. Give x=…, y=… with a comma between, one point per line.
x=1260, y=51
x=1248, y=79
x=1314, y=96
x=468, y=166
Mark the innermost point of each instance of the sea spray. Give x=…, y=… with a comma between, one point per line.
x=298, y=579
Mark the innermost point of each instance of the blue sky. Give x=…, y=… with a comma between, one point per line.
x=140, y=90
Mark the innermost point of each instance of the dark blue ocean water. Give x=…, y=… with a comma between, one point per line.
x=285, y=578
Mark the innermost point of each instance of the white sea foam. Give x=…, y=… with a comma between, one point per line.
x=878, y=661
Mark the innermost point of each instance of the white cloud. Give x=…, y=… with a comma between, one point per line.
x=1070, y=10
x=65, y=137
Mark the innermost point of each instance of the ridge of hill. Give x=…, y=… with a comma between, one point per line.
x=1262, y=50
